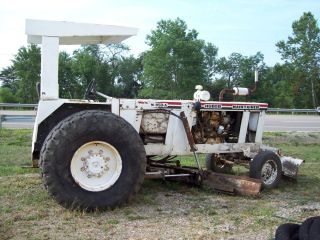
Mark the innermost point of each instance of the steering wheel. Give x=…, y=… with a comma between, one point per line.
x=90, y=91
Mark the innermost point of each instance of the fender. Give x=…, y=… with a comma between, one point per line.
x=50, y=113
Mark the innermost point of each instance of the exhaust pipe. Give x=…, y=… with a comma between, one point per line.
x=239, y=91
x=256, y=80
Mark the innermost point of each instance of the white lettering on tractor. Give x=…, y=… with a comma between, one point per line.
x=245, y=107
x=212, y=106
x=162, y=105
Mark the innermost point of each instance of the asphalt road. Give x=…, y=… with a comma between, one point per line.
x=273, y=123
x=25, y=121
x=19, y=125
x=288, y=123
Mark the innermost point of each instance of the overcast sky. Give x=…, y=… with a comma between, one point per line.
x=244, y=26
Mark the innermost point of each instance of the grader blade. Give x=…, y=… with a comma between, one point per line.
x=231, y=184
x=290, y=166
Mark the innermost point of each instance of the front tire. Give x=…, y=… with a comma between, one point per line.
x=267, y=167
x=93, y=160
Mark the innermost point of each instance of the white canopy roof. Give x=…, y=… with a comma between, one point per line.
x=76, y=33
x=51, y=34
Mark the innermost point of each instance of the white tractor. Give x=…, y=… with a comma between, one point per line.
x=95, y=155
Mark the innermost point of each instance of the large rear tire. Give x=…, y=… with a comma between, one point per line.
x=93, y=160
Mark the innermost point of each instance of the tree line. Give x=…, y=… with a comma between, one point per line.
x=176, y=61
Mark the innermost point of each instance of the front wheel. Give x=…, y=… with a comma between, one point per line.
x=93, y=160
x=267, y=167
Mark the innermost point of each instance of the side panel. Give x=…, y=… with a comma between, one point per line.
x=260, y=127
x=126, y=108
x=115, y=103
x=134, y=117
x=176, y=142
x=176, y=139
x=244, y=127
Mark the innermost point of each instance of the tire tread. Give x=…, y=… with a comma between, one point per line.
x=101, y=121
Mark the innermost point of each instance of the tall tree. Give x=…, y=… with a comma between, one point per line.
x=6, y=96
x=9, y=79
x=129, y=79
x=68, y=84
x=26, y=67
x=273, y=86
x=248, y=66
x=85, y=63
x=114, y=55
x=230, y=68
x=175, y=62
x=102, y=63
x=238, y=70
x=302, y=49
x=210, y=61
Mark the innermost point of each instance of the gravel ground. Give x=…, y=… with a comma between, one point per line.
x=166, y=210
x=159, y=211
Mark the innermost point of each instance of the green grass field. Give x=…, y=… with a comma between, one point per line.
x=160, y=210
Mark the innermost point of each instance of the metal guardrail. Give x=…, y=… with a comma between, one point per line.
x=292, y=111
x=284, y=110
x=18, y=105
x=16, y=114
x=19, y=115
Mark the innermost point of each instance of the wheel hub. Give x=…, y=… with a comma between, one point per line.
x=269, y=172
x=96, y=166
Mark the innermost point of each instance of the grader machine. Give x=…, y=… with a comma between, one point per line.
x=95, y=155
